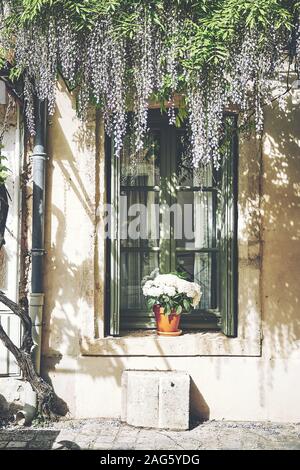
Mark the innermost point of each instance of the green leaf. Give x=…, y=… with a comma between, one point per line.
x=150, y=302
x=167, y=309
x=178, y=309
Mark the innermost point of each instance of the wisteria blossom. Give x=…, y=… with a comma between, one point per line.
x=121, y=73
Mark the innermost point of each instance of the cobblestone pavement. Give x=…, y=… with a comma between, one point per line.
x=104, y=434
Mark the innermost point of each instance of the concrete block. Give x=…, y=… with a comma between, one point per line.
x=141, y=402
x=156, y=399
x=174, y=402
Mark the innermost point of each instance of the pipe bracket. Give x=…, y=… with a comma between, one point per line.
x=39, y=155
x=38, y=251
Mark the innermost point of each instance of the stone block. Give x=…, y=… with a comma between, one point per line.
x=174, y=402
x=141, y=402
x=156, y=399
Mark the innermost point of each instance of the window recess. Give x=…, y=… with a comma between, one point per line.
x=198, y=238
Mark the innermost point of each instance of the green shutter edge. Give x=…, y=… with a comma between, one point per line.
x=115, y=247
x=229, y=270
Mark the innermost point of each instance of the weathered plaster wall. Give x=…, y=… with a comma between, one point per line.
x=242, y=382
x=73, y=266
x=11, y=390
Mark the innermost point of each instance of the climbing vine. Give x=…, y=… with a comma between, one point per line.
x=199, y=56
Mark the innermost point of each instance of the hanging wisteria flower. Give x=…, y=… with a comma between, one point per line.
x=172, y=293
x=118, y=56
x=68, y=49
x=143, y=72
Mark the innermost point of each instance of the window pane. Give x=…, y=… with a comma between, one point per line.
x=194, y=227
x=201, y=268
x=139, y=213
x=186, y=173
x=141, y=168
x=135, y=267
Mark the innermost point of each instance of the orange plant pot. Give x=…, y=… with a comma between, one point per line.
x=167, y=325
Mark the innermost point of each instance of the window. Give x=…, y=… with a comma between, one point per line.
x=166, y=216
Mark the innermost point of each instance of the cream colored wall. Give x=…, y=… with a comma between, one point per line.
x=241, y=382
x=10, y=252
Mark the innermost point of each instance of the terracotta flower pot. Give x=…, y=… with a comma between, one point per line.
x=167, y=325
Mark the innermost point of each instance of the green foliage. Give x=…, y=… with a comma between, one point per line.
x=210, y=26
x=209, y=31
x=178, y=304
x=199, y=47
x=4, y=170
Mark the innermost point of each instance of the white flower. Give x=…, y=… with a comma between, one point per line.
x=169, y=290
x=154, y=292
x=151, y=290
x=196, y=299
x=171, y=285
x=166, y=279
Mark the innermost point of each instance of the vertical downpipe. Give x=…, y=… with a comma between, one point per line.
x=36, y=301
x=39, y=158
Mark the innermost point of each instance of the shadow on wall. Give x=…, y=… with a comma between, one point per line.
x=281, y=228
x=271, y=221
x=281, y=235
x=274, y=219
x=67, y=282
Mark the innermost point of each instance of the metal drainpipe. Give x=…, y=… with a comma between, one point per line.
x=36, y=301
x=39, y=158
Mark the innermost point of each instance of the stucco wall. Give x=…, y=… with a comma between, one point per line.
x=11, y=389
x=254, y=377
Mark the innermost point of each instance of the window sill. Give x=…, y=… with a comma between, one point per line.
x=147, y=343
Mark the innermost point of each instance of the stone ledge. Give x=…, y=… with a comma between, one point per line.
x=189, y=344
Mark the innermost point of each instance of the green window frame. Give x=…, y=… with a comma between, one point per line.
x=222, y=312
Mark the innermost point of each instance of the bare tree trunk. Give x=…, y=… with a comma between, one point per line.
x=45, y=393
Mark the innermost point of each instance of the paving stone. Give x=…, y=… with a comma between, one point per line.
x=24, y=436
x=5, y=436
x=106, y=439
x=84, y=438
x=124, y=442
x=142, y=447
x=66, y=437
x=146, y=439
x=43, y=445
x=288, y=445
x=127, y=436
x=106, y=433
x=126, y=439
x=108, y=444
x=84, y=445
x=124, y=447
x=46, y=435
x=114, y=435
x=101, y=446
x=16, y=445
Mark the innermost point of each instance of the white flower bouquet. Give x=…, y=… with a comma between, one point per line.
x=172, y=292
